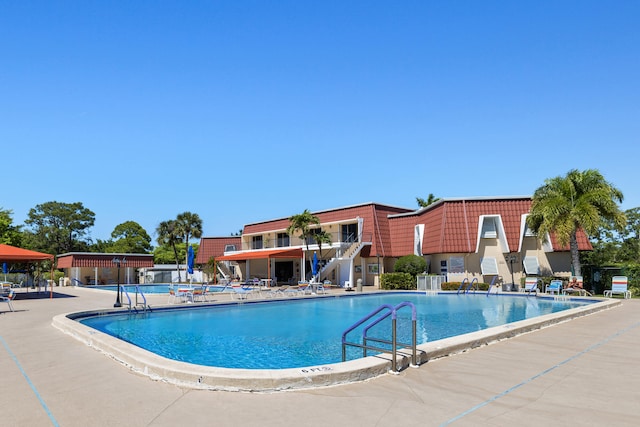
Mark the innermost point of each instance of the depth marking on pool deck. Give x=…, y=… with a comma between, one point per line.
x=33, y=387
x=541, y=374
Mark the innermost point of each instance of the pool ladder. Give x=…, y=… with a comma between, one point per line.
x=469, y=286
x=143, y=304
x=377, y=316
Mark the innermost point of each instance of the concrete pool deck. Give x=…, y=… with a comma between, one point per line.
x=580, y=372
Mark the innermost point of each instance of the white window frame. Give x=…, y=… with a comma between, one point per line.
x=418, y=236
x=500, y=233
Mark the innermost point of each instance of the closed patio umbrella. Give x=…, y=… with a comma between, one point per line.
x=314, y=265
x=190, y=259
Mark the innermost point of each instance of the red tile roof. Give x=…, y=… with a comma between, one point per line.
x=214, y=247
x=375, y=224
x=451, y=225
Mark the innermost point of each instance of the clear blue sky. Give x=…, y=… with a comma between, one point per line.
x=243, y=111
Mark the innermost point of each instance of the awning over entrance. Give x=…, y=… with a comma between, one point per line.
x=271, y=253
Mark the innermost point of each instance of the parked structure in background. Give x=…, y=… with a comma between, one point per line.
x=479, y=237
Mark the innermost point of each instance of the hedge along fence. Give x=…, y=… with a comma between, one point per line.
x=453, y=286
x=394, y=281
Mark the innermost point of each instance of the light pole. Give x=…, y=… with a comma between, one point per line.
x=512, y=258
x=117, y=261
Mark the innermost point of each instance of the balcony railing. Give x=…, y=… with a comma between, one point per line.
x=338, y=240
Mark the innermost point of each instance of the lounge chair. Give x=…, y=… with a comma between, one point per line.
x=619, y=286
x=292, y=291
x=306, y=287
x=200, y=293
x=241, y=293
x=575, y=286
x=8, y=298
x=184, y=294
x=172, y=295
x=554, y=287
x=320, y=290
x=530, y=285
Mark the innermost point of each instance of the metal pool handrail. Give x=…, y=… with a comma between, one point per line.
x=462, y=284
x=391, y=311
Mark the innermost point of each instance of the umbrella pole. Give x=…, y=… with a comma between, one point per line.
x=53, y=282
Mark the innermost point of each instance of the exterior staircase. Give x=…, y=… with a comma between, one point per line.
x=223, y=268
x=343, y=254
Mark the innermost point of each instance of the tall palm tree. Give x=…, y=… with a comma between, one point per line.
x=580, y=200
x=300, y=223
x=169, y=235
x=189, y=226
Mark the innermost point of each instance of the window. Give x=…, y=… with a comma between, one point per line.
x=312, y=232
x=531, y=265
x=229, y=248
x=528, y=232
x=417, y=239
x=349, y=233
x=489, y=229
x=256, y=242
x=283, y=240
x=489, y=266
x=456, y=265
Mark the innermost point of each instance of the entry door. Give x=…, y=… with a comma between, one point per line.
x=284, y=271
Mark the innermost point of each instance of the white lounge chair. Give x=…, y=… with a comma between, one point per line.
x=530, y=285
x=619, y=286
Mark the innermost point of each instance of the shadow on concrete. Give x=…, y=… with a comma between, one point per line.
x=34, y=294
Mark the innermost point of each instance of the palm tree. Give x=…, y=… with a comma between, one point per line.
x=430, y=199
x=169, y=235
x=189, y=226
x=300, y=223
x=580, y=200
x=320, y=238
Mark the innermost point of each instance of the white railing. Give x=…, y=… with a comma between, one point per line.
x=430, y=283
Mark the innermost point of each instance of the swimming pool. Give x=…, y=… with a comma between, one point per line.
x=300, y=333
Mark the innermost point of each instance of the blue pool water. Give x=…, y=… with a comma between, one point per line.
x=308, y=332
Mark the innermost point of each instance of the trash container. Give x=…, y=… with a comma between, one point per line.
x=359, y=285
x=507, y=287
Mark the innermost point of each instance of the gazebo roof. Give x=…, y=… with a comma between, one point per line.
x=12, y=253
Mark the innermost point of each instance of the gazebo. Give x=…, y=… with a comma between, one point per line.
x=90, y=268
x=13, y=254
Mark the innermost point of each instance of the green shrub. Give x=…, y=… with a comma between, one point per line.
x=412, y=264
x=453, y=286
x=394, y=281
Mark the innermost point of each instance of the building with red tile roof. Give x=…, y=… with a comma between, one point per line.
x=479, y=237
